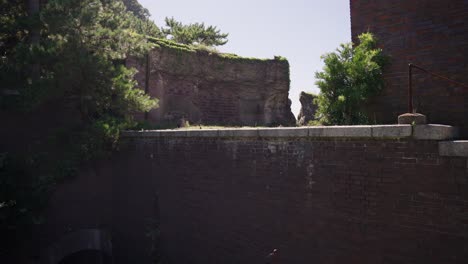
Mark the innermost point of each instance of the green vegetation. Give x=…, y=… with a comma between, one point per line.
x=77, y=61
x=178, y=47
x=165, y=43
x=86, y=48
x=235, y=57
x=136, y=8
x=194, y=34
x=142, y=22
x=350, y=77
x=208, y=127
x=71, y=56
x=310, y=93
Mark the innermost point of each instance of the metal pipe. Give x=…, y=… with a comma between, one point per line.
x=410, y=88
x=439, y=76
x=147, y=79
x=410, y=83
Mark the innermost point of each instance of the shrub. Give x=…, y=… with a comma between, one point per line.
x=350, y=77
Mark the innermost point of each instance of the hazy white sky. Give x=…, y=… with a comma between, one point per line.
x=300, y=30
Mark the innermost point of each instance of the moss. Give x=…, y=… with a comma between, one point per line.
x=169, y=44
x=164, y=43
x=311, y=94
x=280, y=58
x=234, y=57
x=184, y=57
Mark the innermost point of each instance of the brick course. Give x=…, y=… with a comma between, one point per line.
x=224, y=199
x=228, y=200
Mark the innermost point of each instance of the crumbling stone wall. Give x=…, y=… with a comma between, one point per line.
x=430, y=33
x=308, y=108
x=204, y=87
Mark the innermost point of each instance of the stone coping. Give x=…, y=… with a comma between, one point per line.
x=457, y=148
x=420, y=132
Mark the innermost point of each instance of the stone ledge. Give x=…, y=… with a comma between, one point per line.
x=392, y=131
x=172, y=133
x=142, y=133
x=418, y=132
x=341, y=131
x=239, y=132
x=434, y=132
x=457, y=148
x=202, y=133
x=284, y=132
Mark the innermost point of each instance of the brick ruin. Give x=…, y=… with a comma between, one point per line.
x=308, y=109
x=430, y=33
x=205, y=87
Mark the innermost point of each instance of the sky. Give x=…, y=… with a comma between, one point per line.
x=300, y=30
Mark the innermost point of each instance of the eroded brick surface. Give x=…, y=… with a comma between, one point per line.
x=207, y=88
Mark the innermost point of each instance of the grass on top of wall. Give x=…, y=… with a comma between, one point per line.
x=165, y=43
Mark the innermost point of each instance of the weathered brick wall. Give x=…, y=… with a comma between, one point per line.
x=308, y=109
x=318, y=195
x=210, y=88
x=233, y=200
x=430, y=33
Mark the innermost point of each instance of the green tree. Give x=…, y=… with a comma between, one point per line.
x=196, y=34
x=143, y=24
x=350, y=77
x=15, y=39
x=81, y=50
x=136, y=8
x=87, y=43
x=147, y=27
x=12, y=26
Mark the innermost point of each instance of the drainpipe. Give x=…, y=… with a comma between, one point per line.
x=147, y=79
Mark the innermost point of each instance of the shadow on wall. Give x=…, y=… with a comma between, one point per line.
x=91, y=246
x=88, y=257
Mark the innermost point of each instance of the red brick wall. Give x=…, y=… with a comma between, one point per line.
x=318, y=201
x=430, y=33
x=212, y=89
x=234, y=200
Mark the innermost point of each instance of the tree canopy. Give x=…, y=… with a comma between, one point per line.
x=196, y=33
x=143, y=24
x=350, y=77
x=89, y=39
x=137, y=9
x=80, y=53
x=72, y=51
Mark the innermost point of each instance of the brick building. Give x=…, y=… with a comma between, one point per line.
x=432, y=34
